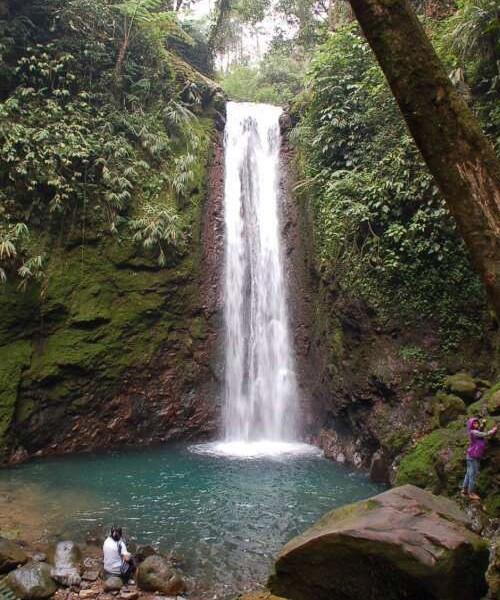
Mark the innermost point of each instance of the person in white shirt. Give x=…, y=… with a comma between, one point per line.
x=117, y=560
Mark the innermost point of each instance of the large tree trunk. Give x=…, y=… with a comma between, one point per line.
x=221, y=11
x=450, y=139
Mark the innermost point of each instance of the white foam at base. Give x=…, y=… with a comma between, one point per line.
x=257, y=449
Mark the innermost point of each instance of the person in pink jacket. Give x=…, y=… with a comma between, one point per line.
x=475, y=452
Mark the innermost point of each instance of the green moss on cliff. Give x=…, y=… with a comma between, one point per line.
x=14, y=358
x=106, y=310
x=437, y=461
x=419, y=465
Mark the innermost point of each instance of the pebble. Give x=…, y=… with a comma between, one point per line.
x=129, y=595
x=88, y=593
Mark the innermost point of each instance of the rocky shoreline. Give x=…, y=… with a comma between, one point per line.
x=69, y=571
x=432, y=549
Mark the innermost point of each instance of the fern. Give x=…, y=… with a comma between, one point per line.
x=157, y=228
x=139, y=10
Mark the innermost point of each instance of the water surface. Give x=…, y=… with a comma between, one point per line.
x=226, y=517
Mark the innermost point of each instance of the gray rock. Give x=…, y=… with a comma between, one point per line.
x=379, y=468
x=404, y=543
x=90, y=575
x=67, y=564
x=113, y=584
x=11, y=555
x=39, y=557
x=31, y=582
x=156, y=574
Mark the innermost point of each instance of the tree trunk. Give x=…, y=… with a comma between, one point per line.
x=221, y=11
x=458, y=154
x=4, y=9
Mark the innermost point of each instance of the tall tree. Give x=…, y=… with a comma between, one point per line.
x=450, y=139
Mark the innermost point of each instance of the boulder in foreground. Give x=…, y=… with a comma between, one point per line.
x=31, y=582
x=156, y=574
x=404, y=543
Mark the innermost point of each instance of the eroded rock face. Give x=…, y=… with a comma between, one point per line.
x=11, y=555
x=156, y=574
x=404, y=543
x=32, y=582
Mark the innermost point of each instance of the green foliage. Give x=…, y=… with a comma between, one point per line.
x=78, y=145
x=382, y=229
x=476, y=32
x=158, y=227
x=276, y=80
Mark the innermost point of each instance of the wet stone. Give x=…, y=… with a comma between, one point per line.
x=112, y=584
x=90, y=593
x=11, y=555
x=31, y=582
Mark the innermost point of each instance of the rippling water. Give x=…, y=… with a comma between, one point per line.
x=226, y=517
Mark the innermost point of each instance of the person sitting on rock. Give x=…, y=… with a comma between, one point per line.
x=475, y=452
x=117, y=560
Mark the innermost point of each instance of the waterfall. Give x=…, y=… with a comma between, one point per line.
x=260, y=389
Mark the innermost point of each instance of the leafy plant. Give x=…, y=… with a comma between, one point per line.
x=157, y=228
x=383, y=232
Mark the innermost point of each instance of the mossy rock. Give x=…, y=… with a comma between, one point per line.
x=448, y=408
x=14, y=359
x=492, y=400
x=395, y=441
x=349, y=552
x=436, y=461
x=492, y=505
x=463, y=385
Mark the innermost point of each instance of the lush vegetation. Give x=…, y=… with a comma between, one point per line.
x=97, y=126
x=382, y=230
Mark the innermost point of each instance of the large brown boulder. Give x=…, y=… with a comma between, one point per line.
x=11, y=555
x=155, y=574
x=404, y=543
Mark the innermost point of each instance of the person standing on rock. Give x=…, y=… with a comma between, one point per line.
x=117, y=560
x=475, y=452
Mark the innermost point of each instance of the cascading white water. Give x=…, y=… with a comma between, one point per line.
x=260, y=385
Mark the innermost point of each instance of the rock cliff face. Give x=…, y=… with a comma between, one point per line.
x=375, y=389
x=113, y=350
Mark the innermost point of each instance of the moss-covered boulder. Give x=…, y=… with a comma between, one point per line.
x=448, y=408
x=156, y=574
x=32, y=582
x=404, y=543
x=436, y=461
x=492, y=400
x=11, y=555
x=463, y=385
